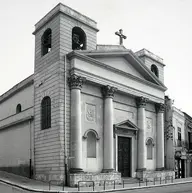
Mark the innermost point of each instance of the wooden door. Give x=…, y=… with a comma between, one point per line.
x=124, y=156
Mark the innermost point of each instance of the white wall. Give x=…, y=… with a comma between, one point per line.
x=15, y=145
x=24, y=97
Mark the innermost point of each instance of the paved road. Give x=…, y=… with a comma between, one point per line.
x=181, y=188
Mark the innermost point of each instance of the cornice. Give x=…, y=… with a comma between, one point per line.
x=178, y=113
x=77, y=55
x=100, y=81
x=124, y=53
x=16, y=122
x=146, y=69
x=65, y=10
x=21, y=85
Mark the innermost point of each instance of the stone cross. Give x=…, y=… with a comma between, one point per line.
x=121, y=36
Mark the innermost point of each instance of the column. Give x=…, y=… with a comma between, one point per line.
x=160, y=136
x=75, y=83
x=141, y=149
x=108, y=142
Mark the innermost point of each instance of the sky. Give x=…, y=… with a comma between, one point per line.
x=162, y=26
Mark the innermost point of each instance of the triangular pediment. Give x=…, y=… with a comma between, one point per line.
x=126, y=62
x=127, y=124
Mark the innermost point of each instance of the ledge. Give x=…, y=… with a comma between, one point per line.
x=17, y=118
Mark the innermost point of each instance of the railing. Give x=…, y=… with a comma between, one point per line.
x=109, y=181
x=86, y=182
x=63, y=184
x=153, y=181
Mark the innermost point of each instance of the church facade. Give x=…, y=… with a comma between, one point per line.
x=88, y=109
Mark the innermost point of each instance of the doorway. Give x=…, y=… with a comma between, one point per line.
x=124, y=156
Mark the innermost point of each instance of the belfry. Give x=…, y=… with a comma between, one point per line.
x=91, y=111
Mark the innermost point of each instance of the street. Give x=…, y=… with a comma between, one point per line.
x=180, y=188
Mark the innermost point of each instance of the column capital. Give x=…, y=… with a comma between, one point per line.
x=160, y=107
x=108, y=91
x=75, y=81
x=141, y=101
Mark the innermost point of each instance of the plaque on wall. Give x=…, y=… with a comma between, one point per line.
x=149, y=124
x=90, y=112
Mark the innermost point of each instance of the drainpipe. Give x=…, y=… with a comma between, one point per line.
x=30, y=154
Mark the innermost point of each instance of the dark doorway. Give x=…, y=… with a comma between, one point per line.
x=124, y=156
x=181, y=168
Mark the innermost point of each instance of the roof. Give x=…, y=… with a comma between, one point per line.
x=23, y=84
x=128, y=54
x=145, y=52
x=61, y=8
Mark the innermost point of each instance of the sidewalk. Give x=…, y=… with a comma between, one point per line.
x=39, y=185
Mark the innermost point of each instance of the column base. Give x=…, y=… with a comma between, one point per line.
x=108, y=170
x=160, y=169
x=75, y=170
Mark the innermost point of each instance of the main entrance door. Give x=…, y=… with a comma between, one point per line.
x=124, y=156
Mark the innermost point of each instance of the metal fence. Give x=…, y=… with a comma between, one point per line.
x=106, y=183
x=50, y=183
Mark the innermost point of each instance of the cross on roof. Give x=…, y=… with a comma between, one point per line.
x=121, y=36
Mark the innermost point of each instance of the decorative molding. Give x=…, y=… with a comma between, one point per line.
x=141, y=102
x=75, y=81
x=189, y=125
x=91, y=130
x=125, y=128
x=121, y=87
x=78, y=55
x=108, y=91
x=149, y=124
x=169, y=132
x=160, y=107
x=90, y=112
x=147, y=141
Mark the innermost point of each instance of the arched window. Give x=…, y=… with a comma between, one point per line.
x=91, y=145
x=18, y=108
x=155, y=70
x=46, y=113
x=78, y=39
x=46, y=42
x=150, y=145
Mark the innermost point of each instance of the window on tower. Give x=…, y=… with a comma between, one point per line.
x=46, y=113
x=78, y=39
x=46, y=42
x=155, y=70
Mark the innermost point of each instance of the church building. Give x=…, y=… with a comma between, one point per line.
x=89, y=111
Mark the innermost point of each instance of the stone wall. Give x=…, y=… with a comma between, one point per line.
x=97, y=178
x=151, y=175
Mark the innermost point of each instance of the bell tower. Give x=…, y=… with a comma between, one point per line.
x=59, y=32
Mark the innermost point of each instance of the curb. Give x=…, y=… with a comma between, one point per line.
x=110, y=190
